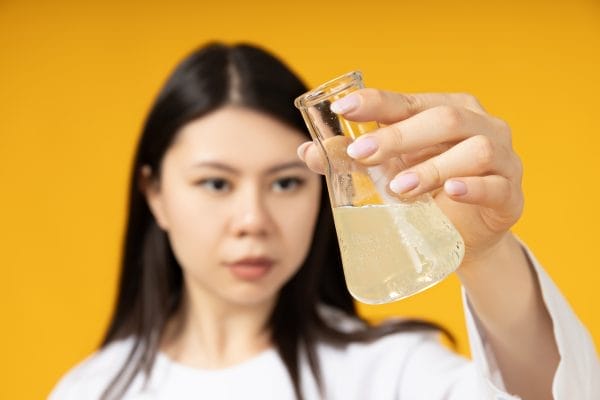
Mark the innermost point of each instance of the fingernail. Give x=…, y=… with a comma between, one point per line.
x=455, y=188
x=404, y=182
x=345, y=104
x=301, y=151
x=362, y=147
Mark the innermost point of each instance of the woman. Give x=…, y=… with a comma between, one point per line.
x=231, y=281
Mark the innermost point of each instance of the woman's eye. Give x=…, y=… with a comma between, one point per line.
x=215, y=184
x=287, y=184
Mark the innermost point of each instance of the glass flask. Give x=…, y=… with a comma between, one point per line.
x=390, y=248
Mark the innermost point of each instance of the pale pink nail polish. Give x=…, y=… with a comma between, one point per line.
x=301, y=151
x=455, y=188
x=362, y=147
x=404, y=182
x=345, y=104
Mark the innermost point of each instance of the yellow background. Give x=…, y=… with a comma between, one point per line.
x=76, y=80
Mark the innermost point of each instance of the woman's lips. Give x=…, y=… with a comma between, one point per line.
x=250, y=268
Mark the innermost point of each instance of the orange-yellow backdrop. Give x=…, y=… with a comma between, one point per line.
x=76, y=79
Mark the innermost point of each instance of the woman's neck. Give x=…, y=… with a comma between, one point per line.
x=211, y=334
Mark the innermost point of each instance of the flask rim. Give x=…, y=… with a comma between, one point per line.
x=329, y=88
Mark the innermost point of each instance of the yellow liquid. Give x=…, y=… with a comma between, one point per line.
x=393, y=251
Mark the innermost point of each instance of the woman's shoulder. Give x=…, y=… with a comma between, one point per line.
x=89, y=377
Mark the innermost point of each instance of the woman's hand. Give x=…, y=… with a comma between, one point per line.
x=453, y=148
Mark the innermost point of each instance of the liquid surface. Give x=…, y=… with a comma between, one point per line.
x=393, y=251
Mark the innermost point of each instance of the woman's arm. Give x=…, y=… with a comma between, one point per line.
x=504, y=293
x=456, y=150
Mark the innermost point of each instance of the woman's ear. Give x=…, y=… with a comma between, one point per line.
x=150, y=187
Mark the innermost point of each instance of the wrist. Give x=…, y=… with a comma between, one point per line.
x=477, y=262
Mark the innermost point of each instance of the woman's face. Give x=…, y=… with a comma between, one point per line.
x=238, y=205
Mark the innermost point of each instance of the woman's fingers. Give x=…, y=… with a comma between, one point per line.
x=441, y=124
x=419, y=156
x=452, y=129
x=389, y=107
x=475, y=156
x=492, y=192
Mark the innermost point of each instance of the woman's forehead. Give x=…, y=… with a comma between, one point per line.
x=237, y=135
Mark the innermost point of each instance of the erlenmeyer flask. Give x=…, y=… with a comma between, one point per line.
x=390, y=248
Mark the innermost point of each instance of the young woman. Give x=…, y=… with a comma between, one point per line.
x=231, y=283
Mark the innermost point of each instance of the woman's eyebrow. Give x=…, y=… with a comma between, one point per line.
x=287, y=165
x=216, y=165
x=228, y=168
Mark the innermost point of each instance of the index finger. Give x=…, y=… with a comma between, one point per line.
x=389, y=107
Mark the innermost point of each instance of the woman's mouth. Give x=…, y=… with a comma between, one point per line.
x=250, y=269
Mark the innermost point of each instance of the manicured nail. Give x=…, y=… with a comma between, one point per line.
x=404, y=182
x=362, y=147
x=302, y=150
x=345, y=104
x=455, y=188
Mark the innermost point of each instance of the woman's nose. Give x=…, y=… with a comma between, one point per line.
x=251, y=217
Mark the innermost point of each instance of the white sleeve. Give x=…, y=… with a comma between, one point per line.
x=68, y=388
x=89, y=378
x=578, y=372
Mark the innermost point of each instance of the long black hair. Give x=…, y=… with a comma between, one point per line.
x=151, y=280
